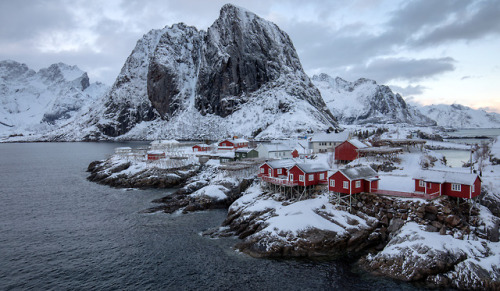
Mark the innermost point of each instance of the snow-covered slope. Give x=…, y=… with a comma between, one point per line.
x=364, y=101
x=240, y=77
x=459, y=116
x=37, y=102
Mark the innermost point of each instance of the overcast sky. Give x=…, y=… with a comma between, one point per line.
x=431, y=51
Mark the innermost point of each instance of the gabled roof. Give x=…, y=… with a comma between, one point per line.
x=356, y=173
x=311, y=168
x=234, y=140
x=358, y=144
x=202, y=145
x=278, y=164
x=330, y=137
x=446, y=177
x=244, y=150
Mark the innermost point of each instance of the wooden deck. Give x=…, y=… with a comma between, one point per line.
x=407, y=194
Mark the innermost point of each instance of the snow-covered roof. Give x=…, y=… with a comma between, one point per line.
x=311, y=168
x=244, y=150
x=276, y=147
x=330, y=137
x=358, y=144
x=356, y=173
x=235, y=140
x=286, y=163
x=156, y=153
x=123, y=149
x=226, y=155
x=446, y=177
x=202, y=145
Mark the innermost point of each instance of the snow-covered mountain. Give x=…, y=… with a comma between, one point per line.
x=37, y=102
x=364, y=101
x=240, y=77
x=459, y=116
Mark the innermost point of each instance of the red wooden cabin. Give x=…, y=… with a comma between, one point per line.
x=295, y=154
x=201, y=148
x=353, y=180
x=233, y=144
x=277, y=168
x=155, y=155
x=348, y=150
x=308, y=174
x=462, y=185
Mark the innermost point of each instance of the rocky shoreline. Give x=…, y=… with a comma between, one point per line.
x=385, y=235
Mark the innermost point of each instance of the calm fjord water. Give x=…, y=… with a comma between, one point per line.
x=59, y=231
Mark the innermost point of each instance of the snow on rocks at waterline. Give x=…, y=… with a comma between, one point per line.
x=414, y=254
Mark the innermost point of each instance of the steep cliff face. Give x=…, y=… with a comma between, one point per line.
x=242, y=73
x=364, y=101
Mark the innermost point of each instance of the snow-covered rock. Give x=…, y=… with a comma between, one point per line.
x=459, y=116
x=364, y=101
x=37, y=102
x=242, y=76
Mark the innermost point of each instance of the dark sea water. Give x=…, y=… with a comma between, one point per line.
x=60, y=232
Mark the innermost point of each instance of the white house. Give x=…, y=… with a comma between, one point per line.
x=326, y=142
x=274, y=151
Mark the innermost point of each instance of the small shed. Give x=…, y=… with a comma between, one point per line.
x=155, y=155
x=348, y=150
x=233, y=144
x=201, y=148
x=295, y=153
x=353, y=180
x=274, y=151
x=240, y=154
x=455, y=184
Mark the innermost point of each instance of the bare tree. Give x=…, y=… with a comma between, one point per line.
x=481, y=154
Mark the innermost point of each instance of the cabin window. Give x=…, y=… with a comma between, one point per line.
x=322, y=176
x=429, y=185
x=311, y=177
x=195, y=149
x=301, y=178
x=456, y=187
x=421, y=183
x=472, y=188
x=291, y=177
x=269, y=171
x=332, y=183
x=346, y=185
x=279, y=171
x=358, y=184
x=262, y=170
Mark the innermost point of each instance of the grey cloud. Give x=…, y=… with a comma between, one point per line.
x=408, y=90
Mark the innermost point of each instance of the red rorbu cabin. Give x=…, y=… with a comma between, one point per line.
x=295, y=154
x=277, y=168
x=201, y=148
x=308, y=174
x=155, y=155
x=354, y=180
x=462, y=185
x=233, y=144
x=348, y=150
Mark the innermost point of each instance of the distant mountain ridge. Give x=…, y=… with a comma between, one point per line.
x=460, y=116
x=366, y=102
x=37, y=102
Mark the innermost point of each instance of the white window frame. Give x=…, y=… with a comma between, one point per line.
x=332, y=183
x=358, y=184
x=301, y=178
x=473, y=188
x=279, y=171
x=456, y=187
x=291, y=177
x=322, y=176
x=421, y=183
x=346, y=184
x=311, y=177
x=270, y=172
x=262, y=170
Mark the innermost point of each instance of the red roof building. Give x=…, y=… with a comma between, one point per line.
x=201, y=148
x=354, y=180
x=348, y=150
x=308, y=174
x=155, y=155
x=462, y=185
x=233, y=144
